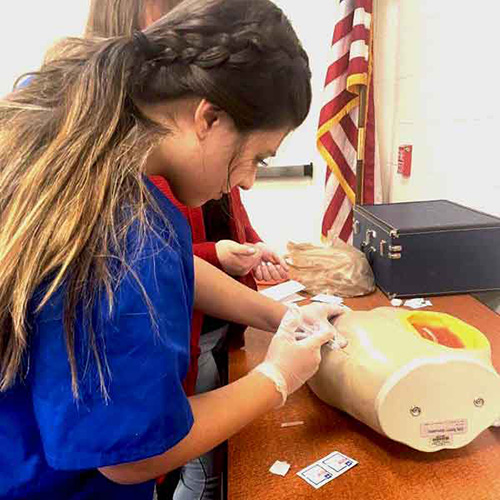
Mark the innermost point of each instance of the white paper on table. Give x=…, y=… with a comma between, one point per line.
x=327, y=469
x=280, y=468
x=292, y=424
x=417, y=303
x=328, y=299
x=283, y=290
x=292, y=299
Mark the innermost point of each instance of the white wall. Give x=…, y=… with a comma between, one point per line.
x=386, y=54
x=28, y=29
x=292, y=209
x=447, y=104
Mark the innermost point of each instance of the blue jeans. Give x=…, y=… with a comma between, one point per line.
x=201, y=477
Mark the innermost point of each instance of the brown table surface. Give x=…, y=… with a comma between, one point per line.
x=387, y=470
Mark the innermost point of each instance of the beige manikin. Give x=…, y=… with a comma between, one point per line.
x=407, y=387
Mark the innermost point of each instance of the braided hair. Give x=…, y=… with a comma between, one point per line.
x=241, y=55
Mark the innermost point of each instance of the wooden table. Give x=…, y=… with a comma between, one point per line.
x=387, y=470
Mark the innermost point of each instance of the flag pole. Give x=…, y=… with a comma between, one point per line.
x=360, y=157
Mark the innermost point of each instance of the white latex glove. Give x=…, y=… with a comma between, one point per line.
x=289, y=362
x=236, y=259
x=317, y=316
x=271, y=266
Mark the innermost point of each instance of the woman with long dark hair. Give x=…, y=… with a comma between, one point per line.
x=223, y=236
x=97, y=281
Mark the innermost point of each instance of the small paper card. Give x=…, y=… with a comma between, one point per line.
x=280, y=468
x=279, y=292
x=292, y=299
x=327, y=469
x=328, y=299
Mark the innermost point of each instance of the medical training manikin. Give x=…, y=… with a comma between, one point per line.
x=421, y=378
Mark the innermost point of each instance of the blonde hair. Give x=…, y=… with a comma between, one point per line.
x=70, y=159
x=108, y=18
x=63, y=180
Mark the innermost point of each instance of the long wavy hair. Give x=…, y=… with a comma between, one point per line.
x=74, y=145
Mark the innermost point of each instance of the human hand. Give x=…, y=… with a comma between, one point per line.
x=272, y=267
x=317, y=315
x=289, y=362
x=236, y=259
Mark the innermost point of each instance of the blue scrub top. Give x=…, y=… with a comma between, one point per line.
x=52, y=445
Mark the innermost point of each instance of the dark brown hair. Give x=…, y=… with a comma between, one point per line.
x=252, y=65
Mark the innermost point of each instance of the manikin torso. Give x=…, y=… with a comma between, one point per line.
x=422, y=378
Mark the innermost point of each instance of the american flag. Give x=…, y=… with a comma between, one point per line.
x=349, y=70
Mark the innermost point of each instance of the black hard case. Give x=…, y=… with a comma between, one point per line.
x=429, y=248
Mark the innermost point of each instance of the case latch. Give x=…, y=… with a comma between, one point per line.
x=394, y=256
x=382, y=247
x=395, y=252
x=370, y=235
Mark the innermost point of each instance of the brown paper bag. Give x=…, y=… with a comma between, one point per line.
x=336, y=269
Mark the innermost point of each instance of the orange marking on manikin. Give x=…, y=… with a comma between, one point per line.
x=440, y=335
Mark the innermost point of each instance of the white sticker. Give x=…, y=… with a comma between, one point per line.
x=441, y=440
x=327, y=469
x=446, y=428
